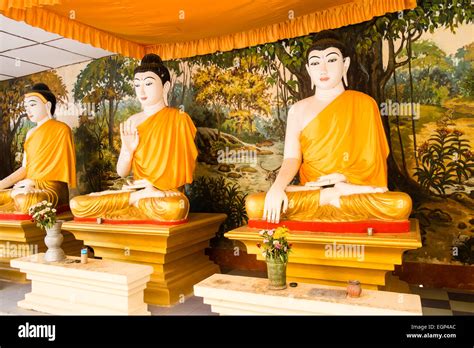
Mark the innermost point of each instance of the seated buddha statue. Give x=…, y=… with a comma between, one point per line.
x=336, y=142
x=49, y=160
x=158, y=147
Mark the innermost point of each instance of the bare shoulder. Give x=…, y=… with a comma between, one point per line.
x=302, y=104
x=298, y=109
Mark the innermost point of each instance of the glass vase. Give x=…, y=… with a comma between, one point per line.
x=276, y=270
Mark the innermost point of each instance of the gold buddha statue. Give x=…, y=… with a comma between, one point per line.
x=336, y=141
x=158, y=147
x=49, y=160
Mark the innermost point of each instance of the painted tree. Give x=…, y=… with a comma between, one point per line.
x=180, y=70
x=241, y=91
x=90, y=140
x=12, y=113
x=465, y=70
x=291, y=54
x=209, y=82
x=105, y=83
x=399, y=31
x=432, y=69
x=279, y=78
x=246, y=92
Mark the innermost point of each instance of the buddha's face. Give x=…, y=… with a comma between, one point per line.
x=327, y=67
x=36, y=109
x=149, y=88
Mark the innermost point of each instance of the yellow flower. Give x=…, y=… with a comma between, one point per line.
x=280, y=232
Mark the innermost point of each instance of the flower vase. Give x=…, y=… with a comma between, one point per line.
x=276, y=270
x=53, y=241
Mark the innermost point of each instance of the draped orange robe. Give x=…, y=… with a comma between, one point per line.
x=50, y=153
x=347, y=137
x=166, y=154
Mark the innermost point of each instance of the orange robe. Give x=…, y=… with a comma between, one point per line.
x=166, y=154
x=347, y=137
x=50, y=153
x=51, y=163
x=166, y=157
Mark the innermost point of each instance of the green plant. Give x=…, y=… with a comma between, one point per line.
x=216, y=195
x=94, y=159
x=275, y=244
x=446, y=159
x=43, y=214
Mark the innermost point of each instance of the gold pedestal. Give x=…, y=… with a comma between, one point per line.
x=335, y=258
x=20, y=238
x=176, y=253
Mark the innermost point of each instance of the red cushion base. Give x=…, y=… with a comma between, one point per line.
x=25, y=217
x=132, y=222
x=339, y=227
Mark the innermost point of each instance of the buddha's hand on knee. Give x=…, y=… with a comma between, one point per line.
x=129, y=136
x=346, y=189
x=330, y=179
x=150, y=191
x=171, y=193
x=26, y=184
x=299, y=188
x=379, y=189
x=275, y=198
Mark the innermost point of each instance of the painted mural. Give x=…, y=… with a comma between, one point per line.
x=418, y=65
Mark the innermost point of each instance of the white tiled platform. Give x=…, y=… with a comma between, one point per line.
x=11, y=293
x=99, y=287
x=242, y=295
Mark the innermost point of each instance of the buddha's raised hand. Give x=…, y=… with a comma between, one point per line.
x=275, y=198
x=129, y=136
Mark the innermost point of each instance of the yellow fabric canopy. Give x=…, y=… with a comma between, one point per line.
x=185, y=28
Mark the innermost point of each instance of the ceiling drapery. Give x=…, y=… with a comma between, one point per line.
x=185, y=28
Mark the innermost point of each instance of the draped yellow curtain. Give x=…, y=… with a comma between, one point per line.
x=185, y=28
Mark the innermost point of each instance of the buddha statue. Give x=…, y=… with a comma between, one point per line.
x=49, y=160
x=158, y=147
x=336, y=142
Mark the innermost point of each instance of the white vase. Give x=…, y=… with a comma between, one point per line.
x=53, y=241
